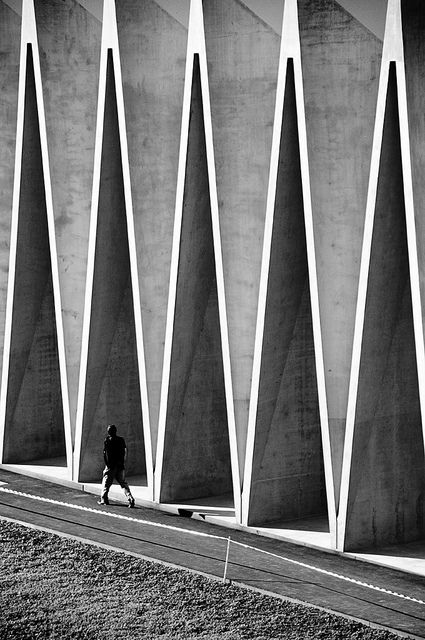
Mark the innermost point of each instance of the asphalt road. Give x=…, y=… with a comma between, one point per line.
x=384, y=597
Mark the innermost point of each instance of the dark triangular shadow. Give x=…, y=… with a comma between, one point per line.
x=387, y=484
x=34, y=425
x=196, y=457
x=287, y=469
x=112, y=393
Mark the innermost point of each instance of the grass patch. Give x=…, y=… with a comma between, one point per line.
x=52, y=587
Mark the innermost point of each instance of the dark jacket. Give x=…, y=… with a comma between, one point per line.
x=114, y=449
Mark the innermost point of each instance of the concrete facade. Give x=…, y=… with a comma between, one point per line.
x=212, y=235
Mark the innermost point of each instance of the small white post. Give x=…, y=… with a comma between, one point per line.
x=227, y=559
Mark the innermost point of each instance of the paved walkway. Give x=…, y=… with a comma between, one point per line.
x=378, y=595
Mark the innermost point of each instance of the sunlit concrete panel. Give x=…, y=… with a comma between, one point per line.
x=196, y=458
x=287, y=475
x=112, y=393
x=34, y=426
x=413, y=19
x=242, y=56
x=69, y=45
x=153, y=53
x=387, y=483
x=10, y=31
x=341, y=63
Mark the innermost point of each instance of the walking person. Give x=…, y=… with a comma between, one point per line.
x=114, y=455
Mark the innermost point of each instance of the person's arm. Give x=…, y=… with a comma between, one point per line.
x=105, y=454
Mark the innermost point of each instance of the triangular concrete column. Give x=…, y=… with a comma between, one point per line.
x=197, y=453
x=34, y=405
x=112, y=385
x=382, y=483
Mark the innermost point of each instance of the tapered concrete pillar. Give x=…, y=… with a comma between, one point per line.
x=387, y=484
x=197, y=450
x=287, y=478
x=112, y=385
x=196, y=455
x=34, y=420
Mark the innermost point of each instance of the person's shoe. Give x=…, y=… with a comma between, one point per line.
x=131, y=503
x=103, y=501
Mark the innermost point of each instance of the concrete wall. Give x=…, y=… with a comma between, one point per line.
x=69, y=45
x=112, y=392
x=413, y=14
x=10, y=30
x=387, y=484
x=34, y=425
x=287, y=476
x=341, y=61
x=196, y=459
x=153, y=55
x=242, y=67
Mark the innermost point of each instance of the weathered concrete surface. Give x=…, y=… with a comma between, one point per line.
x=413, y=18
x=243, y=54
x=288, y=477
x=153, y=55
x=10, y=31
x=341, y=63
x=69, y=44
x=387, y=483
x=34, y=425
x=196, y=460
x=112, y=385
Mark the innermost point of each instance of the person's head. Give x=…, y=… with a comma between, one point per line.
x=112, y=430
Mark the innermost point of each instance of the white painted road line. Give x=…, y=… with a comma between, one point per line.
x=159, y=525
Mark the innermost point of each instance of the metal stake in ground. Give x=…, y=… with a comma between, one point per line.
x=227, y=559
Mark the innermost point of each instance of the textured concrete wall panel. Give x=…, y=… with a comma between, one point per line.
x=10, y=30
x=69, y=45
x=153, y=55
x=341, y=62
x=387, y=484
x=413, y=16
x=242, y=55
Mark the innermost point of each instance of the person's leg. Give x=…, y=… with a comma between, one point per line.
x=107, y=480
x=120, y=478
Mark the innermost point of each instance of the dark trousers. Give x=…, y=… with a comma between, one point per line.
x=111, y=473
